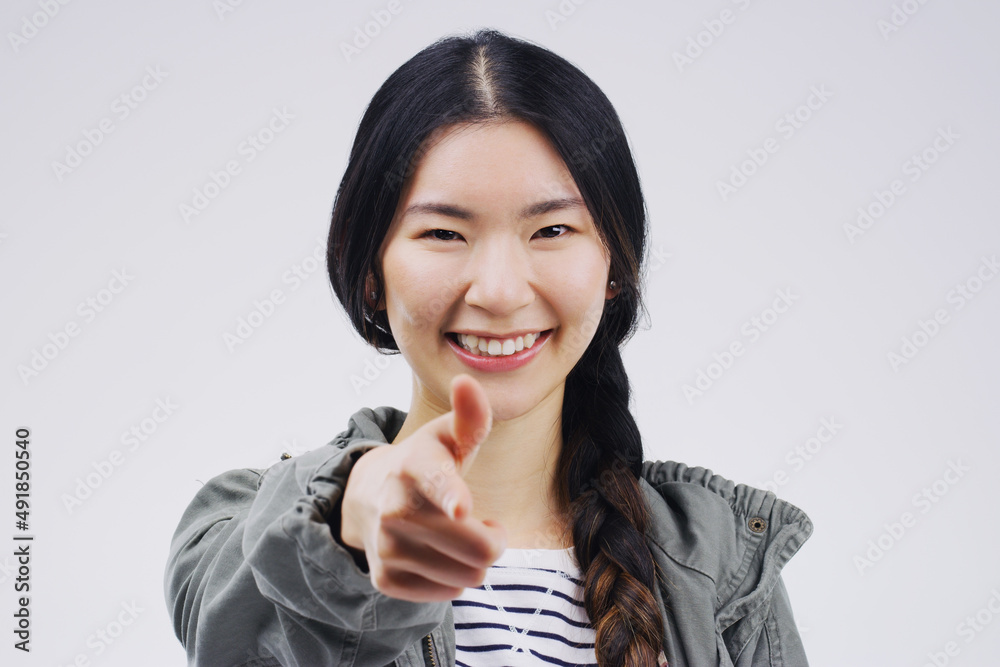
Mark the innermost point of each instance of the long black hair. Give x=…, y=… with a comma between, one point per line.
x=490, y=77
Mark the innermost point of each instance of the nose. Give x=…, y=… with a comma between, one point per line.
x=500, y=280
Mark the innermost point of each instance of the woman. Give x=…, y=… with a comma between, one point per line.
x=490, y=227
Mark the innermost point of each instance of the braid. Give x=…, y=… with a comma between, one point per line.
x=601, y=463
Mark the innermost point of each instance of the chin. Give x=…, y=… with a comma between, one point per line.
x=506, y=412
x=506, y=407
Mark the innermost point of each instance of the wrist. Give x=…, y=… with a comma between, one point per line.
x=351, y=510
x=349, y=535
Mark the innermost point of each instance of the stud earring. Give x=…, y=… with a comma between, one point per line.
x=613, y=285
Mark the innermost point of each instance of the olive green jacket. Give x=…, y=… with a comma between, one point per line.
x=256, y=575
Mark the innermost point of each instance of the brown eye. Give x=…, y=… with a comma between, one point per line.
x=546, y=231
x=440, y=234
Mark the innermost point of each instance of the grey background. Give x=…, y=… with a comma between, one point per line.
x=717, y=263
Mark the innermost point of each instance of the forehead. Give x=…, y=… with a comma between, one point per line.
x=489, y=161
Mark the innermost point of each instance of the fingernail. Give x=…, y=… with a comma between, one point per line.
x=450, y=503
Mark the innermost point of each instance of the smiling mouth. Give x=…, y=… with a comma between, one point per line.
x=495, y=347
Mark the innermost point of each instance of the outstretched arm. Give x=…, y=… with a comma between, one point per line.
x=256, y=575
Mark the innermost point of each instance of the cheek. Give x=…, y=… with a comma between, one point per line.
x=417, y=293
x=580, y=277
x=578, y=294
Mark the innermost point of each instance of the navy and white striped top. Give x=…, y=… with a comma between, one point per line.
x=529, y=611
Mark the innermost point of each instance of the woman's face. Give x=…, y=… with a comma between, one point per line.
x=492, y=238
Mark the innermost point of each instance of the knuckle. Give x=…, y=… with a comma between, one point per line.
x=476, y=578
x=414, y=501
x=391, y=583
x=402, y=466
x=386, y=546
x=380, y=578
x=482, y=556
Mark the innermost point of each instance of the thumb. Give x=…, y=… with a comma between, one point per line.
x=471, y=420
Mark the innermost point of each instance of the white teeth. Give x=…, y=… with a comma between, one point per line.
x=494, y=347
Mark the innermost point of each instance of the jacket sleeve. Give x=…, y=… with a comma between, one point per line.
x=778, y=643
x=256, y=574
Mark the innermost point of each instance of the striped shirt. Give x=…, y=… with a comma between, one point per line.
x=529, y=611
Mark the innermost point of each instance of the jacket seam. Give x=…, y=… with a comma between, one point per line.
x=773, y=645
x=725, y=591
x=686, y=566
x=659, y=492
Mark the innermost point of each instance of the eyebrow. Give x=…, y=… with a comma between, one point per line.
x=448, y=210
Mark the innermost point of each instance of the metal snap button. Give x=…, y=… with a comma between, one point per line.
x=757, y=524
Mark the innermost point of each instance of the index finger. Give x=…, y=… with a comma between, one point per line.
x=472, y=416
